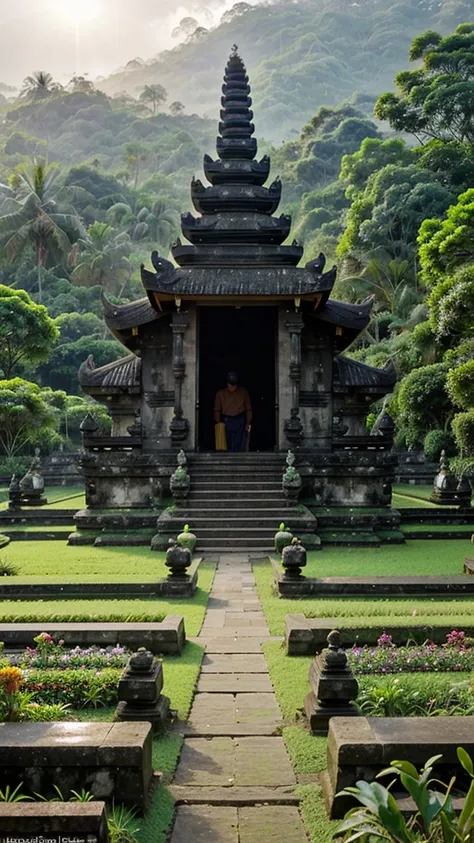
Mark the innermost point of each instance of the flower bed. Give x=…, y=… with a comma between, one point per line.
x=76, y=688
x=456, y=655
x=47, y=654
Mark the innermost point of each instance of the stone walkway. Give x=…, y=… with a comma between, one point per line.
x=234, y=782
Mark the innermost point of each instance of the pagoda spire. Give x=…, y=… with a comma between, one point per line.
x=236, y=128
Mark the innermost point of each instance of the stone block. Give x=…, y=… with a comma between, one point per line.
x=112, y=760
x=307, y=636
x=359, y=748
x=53, y=822
x=166, y=637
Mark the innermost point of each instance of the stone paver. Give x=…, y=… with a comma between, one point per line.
x=233, y=663
x=271, y=768
x=234, y=782
x=205, y=824
x=270, y=824
x=232, y=645
x=234, y=683
x=205, y=762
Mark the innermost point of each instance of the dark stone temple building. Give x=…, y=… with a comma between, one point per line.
x=237, y=300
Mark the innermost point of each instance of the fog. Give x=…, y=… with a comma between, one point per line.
x=93, y=37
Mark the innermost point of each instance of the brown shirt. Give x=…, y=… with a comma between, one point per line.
x=233, y=403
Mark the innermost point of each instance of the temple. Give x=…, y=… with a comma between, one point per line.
x=235, y=298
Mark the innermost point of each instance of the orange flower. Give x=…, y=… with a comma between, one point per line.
x=10, y=679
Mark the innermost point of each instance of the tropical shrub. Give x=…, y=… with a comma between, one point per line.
x=435, y=820
x=437, y=441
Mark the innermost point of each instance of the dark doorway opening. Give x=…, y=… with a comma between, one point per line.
x=240, y=339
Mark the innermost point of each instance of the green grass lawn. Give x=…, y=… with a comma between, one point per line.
x=366, y=612
x=407, y=502
x=59, y=497
x=58, y=562
x=104, y=610
x=413, y=558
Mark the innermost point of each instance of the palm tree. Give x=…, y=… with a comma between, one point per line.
x=156, y=222
x=153, y=94
x=103, y=259
x=39, y=85
x=35, y=216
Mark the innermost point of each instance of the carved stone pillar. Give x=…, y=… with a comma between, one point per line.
x=293, y=426
x=179, y=427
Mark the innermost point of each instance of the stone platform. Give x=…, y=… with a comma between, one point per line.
x=361, y=747
x=307, y=636
x=112, y=760
x=166, y=637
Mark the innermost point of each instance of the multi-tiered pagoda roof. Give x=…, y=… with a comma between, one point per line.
x=236, y=249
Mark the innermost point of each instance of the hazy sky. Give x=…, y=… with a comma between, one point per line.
x=90, y=36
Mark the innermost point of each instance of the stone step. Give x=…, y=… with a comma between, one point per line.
x=241, y=544
x=234, y=795
x=219, y=501
x=262, y=530
x=231, y=485
x=348, y=538
x=234, y=683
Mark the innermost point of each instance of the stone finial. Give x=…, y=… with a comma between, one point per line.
x=333, y=686
x=88, y=425
x=290, y=459
x=182, y=459
x=141, y=661
x=140, y=688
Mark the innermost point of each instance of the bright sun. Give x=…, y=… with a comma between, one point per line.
x=77, y=12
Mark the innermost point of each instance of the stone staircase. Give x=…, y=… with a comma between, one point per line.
x=236, y=503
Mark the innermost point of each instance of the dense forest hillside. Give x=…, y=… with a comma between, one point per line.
x=301, y=55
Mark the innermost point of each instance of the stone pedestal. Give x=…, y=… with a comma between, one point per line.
x=139, y=690
x=333, y=687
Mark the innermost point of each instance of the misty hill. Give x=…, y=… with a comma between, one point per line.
x=300, y=56
x=73, y=127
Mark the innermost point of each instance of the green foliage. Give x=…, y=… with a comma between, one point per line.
x=435, y=820
x=104, y=259
x=27, y=333
x=435, y=100
x=460, y=384
x=26, y=416
x=77, y=688
x=463, y=429
x=423, y=403
x=446, y=244
x=450, y=303
x=436, y=441
x=62, y=369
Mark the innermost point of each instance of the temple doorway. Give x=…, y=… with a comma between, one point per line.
x=240, y=339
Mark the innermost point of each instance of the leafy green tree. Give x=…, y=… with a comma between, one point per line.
x=423, y=403
x=136, y=153
x=437, y=99
x=451, y=305
x=103, y=259
x=27, y=332
x=74, y=326
x=27, y=417
x=460, y=385
x=153, y=95
x=37, y=218
x=388, y=214
x=445, y=244
x=61, y=371
x=39, y=85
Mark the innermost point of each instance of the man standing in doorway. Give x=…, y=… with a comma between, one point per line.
x=232, y=406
